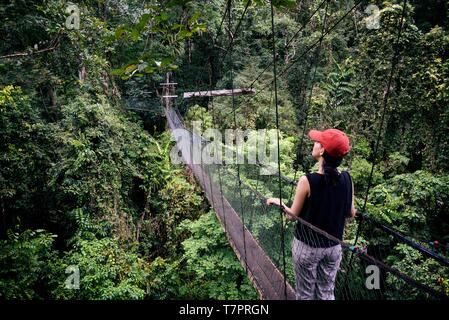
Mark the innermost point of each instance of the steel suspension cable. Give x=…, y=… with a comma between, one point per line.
x=394, y=62
x=231, y=46
x=299, y=149
x=312, y=46
x=289, y=41
x=308, y=49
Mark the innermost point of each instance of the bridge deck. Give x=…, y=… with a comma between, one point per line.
x=265, y=276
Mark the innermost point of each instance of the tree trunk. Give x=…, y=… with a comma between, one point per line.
x=82, y=74
x=105, y=82
x=52, y=95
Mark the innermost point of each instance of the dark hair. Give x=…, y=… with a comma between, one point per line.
x=330, y=164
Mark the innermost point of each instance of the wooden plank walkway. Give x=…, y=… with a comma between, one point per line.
x=265, y=276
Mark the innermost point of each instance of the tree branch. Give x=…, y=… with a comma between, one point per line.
x=24, y=54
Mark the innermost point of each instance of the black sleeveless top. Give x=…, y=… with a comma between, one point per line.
x=327, y=209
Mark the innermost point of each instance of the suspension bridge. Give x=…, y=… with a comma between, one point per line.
x=261, y=236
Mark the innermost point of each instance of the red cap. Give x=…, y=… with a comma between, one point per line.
x=334, y=141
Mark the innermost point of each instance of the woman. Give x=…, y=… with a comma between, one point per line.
x=324, y=199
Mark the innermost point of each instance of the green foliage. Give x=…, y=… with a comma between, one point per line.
x=361, y=148
x=256, y=112
x=173, y=204
x=197, y=113
x=396, y=164
x=334, y=103
x=207, y=268
x=101, y=156
x=414, y=203
x=75, y=164
x=107, y=271
x=27, y=264
x=26, y=143
x=169, y=26
x=360, y=171
x=411, y=262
